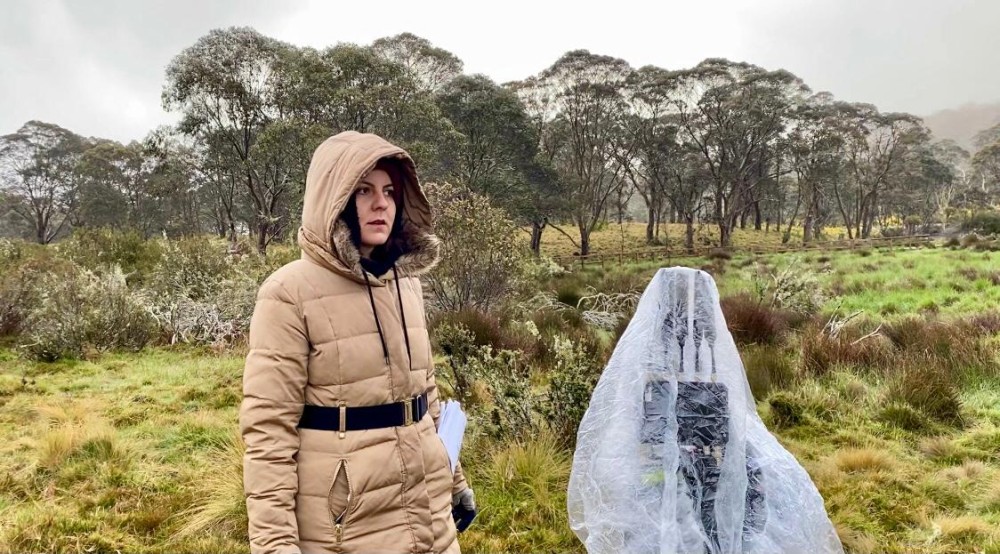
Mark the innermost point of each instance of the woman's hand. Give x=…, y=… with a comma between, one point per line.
x=463, y=508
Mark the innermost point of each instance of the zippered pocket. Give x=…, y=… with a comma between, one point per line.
x=340, y=498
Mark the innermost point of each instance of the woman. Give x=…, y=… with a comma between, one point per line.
x=340, y=406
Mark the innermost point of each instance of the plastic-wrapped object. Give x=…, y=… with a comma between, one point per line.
x=671, y=456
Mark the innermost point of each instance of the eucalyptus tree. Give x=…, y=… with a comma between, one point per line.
x=225, y=87
x=818, y=160
x=39, y=174
x=582, y=106
x=431, y=66
x=733, y=113
x=876, y=146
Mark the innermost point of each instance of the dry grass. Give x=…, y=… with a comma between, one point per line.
x=965, y=528
x=990, y=500
x=940, y=448
x=858, y=460
x=220, y=506
x=857, y=542
x=852, y=347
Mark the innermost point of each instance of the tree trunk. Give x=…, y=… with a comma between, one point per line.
x=725, y=235
x=262, y=231
x=689, y=233
x=40, y=232
x=650, y=225
x=536, y=237
x=584, y=241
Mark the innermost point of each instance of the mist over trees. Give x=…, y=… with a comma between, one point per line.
x=580, y=144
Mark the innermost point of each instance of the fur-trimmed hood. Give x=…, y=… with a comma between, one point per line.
x=336, y=168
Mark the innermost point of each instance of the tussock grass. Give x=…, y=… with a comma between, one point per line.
x=856, y=460
x=990, y=500
x=220, y=506
x=768, y=369
x=525, y=499
x=750, y=322
x=967, y=530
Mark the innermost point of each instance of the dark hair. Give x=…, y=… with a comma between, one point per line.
x=397, y=175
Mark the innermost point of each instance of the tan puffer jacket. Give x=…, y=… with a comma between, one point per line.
x=315, y=339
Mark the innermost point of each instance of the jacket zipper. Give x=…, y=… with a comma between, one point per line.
x=338, y=522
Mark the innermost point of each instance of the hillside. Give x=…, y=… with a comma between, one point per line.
x=962, y=123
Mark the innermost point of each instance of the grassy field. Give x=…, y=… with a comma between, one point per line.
x=139, y=453
x=612, y=238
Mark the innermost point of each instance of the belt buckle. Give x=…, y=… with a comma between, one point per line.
x=407, y=413
x=343, y=419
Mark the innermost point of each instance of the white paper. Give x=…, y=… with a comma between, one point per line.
x=451, y=429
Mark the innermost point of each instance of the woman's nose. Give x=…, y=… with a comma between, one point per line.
x=380, y=202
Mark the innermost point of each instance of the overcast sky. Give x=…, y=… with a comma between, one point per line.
x=96, y=67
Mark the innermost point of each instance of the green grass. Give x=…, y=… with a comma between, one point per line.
x=884, y=282
x=139, y=453
x=106, y=455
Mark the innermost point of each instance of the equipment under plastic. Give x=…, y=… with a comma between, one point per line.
x=672, y=457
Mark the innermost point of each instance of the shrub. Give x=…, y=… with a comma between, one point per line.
x=510, y=414
x=100, y=248
x=890, y=232
x=571, y=383
x=569, y=294
x=481, y=256
x=458, y=345
x=753, y=323
x=986, y=223
x=540, y=269
x=221, y=319
x=720, y=254
x=485, y=328
x=970, y=240
x=191, y=268
x=87, y=310
x=792, y=288
x=21, y=287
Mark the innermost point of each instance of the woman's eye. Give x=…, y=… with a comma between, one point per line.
x=388, y=192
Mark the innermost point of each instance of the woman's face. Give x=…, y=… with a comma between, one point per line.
x=376, y=209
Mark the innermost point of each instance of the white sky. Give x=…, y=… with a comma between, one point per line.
x=97, y=67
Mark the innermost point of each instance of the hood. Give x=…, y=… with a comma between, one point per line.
x=336, y=168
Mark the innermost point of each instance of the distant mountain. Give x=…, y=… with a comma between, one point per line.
x=962, y=123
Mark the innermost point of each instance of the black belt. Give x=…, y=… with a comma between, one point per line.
x=360, y=418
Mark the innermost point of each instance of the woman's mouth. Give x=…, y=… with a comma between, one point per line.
x=377, y=222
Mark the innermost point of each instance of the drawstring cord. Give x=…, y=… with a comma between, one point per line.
x=378, y=324
x=402, y=316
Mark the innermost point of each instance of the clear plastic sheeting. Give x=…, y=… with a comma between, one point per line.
x=671, y=456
